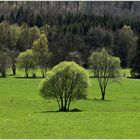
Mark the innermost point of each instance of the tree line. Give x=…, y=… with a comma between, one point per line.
x=73, y=30
x=65, y=45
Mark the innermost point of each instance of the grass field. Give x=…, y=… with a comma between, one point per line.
x=24, y=114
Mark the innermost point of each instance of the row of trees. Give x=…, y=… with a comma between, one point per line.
x=68, y=81
x=64, y=45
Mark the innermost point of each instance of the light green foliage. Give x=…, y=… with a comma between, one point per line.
x=15, y=32
x=105, y=67
x=40, y=51
x=65, y=82
x=34, y=34
x=46, y=29
x=25, y=61
x=128, y=35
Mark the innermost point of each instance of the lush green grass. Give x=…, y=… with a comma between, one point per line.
x=23, y=113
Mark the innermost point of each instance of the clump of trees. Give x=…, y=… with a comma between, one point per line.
x=106, y=69
x=64, y=83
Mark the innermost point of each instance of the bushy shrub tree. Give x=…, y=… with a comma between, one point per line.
x=64, y=83
x=41, y=54
x=25, y=61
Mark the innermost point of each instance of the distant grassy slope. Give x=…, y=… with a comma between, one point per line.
x=22, y=112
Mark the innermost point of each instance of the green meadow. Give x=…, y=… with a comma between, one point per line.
x=25, y=114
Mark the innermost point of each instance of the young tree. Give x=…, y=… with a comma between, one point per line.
x=15, y=31
x=65, y=82
x=4, y=62
x=25, y=61
x=106, y=69
x=41, y=54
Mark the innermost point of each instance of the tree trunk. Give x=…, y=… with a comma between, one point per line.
x=43, y=73
x=103, y=95
x=61, y=107
x=65, y=107
x=34, y=75
x=14, y=69
x=27, y=75
x=68, y=105
x=3, y=74
x=43, y=76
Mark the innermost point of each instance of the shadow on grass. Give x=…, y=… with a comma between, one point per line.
x=138, y=77
x=2, y=77
x=21, y=77
x=92, y=76
x=99, y=100
x=75, y=110
x=28, y=77
x=72, y=110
